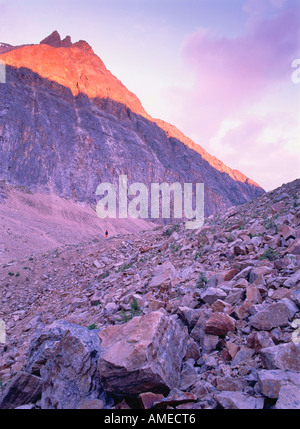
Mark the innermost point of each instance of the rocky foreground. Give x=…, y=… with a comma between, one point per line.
x=167, y=318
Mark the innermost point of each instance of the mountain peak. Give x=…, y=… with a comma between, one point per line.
x=83, y=45
x=66, y=43
x=55, y=41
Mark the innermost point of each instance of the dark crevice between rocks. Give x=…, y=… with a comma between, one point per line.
x=269, y=403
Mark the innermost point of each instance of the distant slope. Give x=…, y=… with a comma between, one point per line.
x=33, y=223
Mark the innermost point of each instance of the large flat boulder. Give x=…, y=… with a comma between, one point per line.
x=145, y=354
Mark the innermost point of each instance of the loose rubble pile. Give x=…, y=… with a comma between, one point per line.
x=168, y=318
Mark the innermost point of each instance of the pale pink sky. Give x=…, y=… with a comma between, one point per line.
x=221, y=71
x=243, y=106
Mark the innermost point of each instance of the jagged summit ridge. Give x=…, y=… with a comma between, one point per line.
x=55, y=41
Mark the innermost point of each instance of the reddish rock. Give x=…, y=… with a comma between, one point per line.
x=280, y=293
x=239, y=250
x=219, y=306
x=229, y=384
x=199, y=390
x=241, y=284
x=148, y=399
x=232, y=349
x=145, y=249
x=156, y=304
x=219, y=324
x=294, y=247
x=230, y=274
x=253, y=295
x=259, y=340
x=132, y=358
x=122, y=406
x=175, y=397
x=243, y=311
x=287, y=232
x=225, y=355
x=192, y=350
x=91, y=404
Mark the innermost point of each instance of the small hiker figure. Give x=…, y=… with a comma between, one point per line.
x=106, y=234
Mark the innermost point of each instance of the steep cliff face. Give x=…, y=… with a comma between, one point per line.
x=67, y=124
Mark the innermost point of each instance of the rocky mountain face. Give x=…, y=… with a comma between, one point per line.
x=67, y=124
x=162, y=319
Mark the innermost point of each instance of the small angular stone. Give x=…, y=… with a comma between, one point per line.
x=175, y=397
x=148, y=399
x=211, y=294
x=219, y=324
x=242, y=356
x=259, y=340
x=294, y=247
